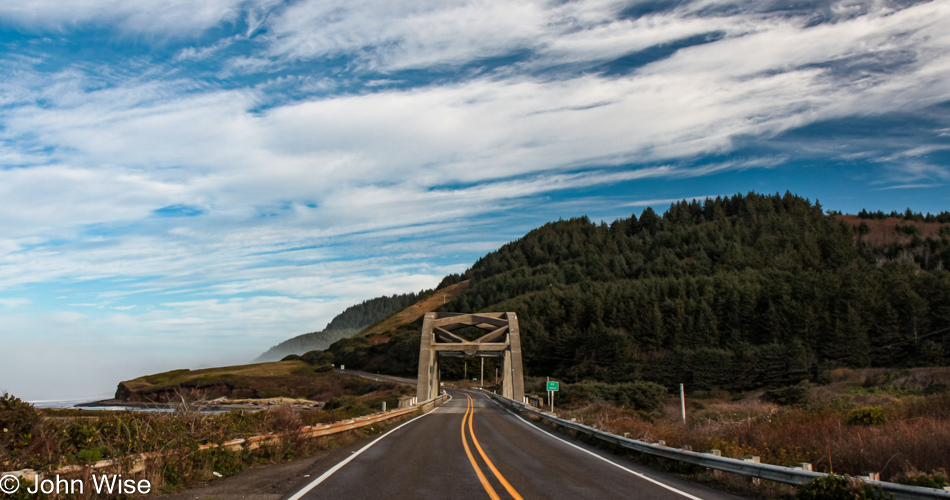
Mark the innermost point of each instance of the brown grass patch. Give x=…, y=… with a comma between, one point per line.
x=915, y=437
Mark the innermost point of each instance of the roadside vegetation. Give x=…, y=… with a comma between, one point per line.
x=46, y=440
x=889, y=421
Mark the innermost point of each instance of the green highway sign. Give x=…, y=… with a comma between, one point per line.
x=553, y=386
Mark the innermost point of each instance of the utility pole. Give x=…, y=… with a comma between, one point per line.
x=465, y=364
x=482, y=375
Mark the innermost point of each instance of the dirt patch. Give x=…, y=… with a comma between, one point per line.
x=883, y=232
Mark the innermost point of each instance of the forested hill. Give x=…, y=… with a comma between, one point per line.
x=736, y=293
x=346, y=324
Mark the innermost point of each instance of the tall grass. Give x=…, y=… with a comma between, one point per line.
x=915, y=436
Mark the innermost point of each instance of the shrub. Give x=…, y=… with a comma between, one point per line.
x=273, y=392
x=346, y=407
x=797, y=394
x=18, y=420
x=291, y=357
x=866, y=415
x=89, y=456
x=646, y=396
x=834, y=487
x=936, y=480
x=318, y=358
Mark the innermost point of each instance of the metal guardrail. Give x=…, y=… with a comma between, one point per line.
x=770, y=472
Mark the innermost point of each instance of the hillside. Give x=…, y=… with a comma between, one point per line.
x=346, y=324
x=439, y=298
x=281, y=379
x=734, y=293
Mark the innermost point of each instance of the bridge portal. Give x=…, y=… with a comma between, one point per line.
x=502, y=340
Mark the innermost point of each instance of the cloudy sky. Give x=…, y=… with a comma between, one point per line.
x=185, y=184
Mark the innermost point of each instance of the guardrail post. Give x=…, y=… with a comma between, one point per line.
x=755, y=459
x=871, y=476
x=715, y=453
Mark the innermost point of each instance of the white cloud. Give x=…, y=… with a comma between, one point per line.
x=160, y=17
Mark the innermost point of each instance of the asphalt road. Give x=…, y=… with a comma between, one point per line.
x=428, y=458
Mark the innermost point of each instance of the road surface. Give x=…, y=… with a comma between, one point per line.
x=473, y=448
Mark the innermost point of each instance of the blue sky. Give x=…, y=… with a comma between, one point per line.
x=185, y=184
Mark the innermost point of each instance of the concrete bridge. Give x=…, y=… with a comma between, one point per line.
x=501, y=340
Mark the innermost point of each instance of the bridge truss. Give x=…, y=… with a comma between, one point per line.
x=502, y=340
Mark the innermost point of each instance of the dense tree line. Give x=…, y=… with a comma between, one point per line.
x=736, y=293
x=909, y=215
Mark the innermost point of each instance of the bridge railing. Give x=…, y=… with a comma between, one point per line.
x=788, y=475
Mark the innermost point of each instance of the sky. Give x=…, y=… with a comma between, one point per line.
x=185, y=184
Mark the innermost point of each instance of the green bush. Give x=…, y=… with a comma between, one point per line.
x=344, y=407
x=226, y=462
x=273, y=392
x=867, y=415
x=797, y=394
x=318, y=358
x=646, y=396
x=89, y=456
x=936, y=480
x=834, y=487
x=18, y=420
x=291, y=357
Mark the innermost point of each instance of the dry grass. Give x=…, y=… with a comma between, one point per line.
x=915, y=437
x=179, y=377
x=884, y=231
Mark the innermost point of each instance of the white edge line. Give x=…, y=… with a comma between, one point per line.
x=635, y=473
x=316, y=482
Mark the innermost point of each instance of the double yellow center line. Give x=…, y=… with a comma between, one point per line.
x=469, y=416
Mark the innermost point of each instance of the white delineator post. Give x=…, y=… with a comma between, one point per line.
x=683, y=402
